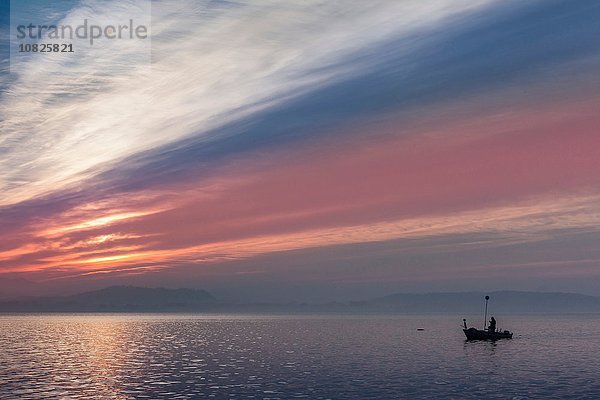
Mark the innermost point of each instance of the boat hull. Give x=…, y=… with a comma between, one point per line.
x=476, y=334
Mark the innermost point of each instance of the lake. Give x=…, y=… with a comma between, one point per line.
x=288, y=357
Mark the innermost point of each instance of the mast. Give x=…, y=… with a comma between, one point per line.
x=485, y=315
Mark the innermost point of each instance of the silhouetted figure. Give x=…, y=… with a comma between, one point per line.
x=492, y=326
x=465, y=323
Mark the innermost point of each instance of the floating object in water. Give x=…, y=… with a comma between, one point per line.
x=420, y=329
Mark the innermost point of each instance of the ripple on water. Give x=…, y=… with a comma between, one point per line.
x=191, y=357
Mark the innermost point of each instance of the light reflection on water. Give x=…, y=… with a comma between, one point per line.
x=375, y=357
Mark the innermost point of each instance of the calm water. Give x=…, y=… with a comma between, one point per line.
x=229, y=357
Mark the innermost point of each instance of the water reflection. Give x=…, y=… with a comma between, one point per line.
x=102, y=344
x=480, y=346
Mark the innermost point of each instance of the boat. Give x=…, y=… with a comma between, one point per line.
x=487, y=333
x=477, y=334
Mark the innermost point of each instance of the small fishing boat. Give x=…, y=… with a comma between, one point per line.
x=489, y=332
x=477, y=334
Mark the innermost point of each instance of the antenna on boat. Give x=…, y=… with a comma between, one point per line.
x=485, y=315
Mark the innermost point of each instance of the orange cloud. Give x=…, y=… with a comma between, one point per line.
x=524, y=222
x=534, y=173
x=96, y=222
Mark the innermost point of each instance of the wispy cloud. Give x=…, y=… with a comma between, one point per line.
x=213, y=63
x=525, y=222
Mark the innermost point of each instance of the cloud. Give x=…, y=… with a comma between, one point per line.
x=451, y=69
x=212, y=64
x=273, y=127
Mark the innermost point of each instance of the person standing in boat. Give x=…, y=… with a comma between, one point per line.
x=492, y=326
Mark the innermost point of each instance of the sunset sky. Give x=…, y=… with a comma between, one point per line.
x=307, y=150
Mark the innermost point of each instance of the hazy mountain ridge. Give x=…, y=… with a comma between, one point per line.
x=501, y=302
x=141, y=299
x=117, y=299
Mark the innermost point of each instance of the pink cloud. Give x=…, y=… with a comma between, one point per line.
x=329, y=193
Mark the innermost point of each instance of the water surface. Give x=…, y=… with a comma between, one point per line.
x=283, y=357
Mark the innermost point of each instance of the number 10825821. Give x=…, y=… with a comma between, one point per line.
x=45, y=48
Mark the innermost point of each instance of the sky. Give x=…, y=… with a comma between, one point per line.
x=305, y=150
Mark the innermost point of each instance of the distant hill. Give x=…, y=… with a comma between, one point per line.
x=118, y=299
x=473, y=302
x=140, y=299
